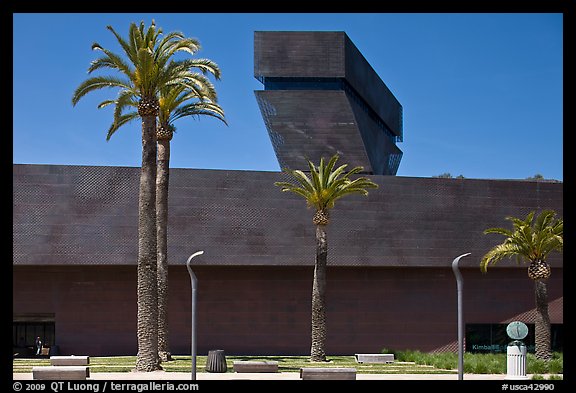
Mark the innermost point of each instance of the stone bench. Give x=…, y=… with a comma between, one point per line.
x=374, y=357
x=61, y=372
x=251, y=366
x=69, y=360
x=316, y=373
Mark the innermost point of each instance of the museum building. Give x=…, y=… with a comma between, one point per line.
x=390, y=282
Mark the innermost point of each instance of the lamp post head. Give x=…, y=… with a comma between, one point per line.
x=455, y=266
x=457, y=259
x=190, y=272
x=192, y=256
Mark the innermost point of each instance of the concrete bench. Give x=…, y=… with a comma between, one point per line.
x=374, y=357
x=251, y=366
x=69, y=360
x=316, y=373
x=61, y=372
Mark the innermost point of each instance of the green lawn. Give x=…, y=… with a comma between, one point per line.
x=406, y=362
x=285, y=364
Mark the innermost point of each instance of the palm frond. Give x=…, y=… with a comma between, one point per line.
x=528, y=240
x=192, y=85
x=497, y=253
x=325, y=185
x=544, y=220
x=337, y=173
x=198, y=109
x=175, y=42
x=315, y=174
x=500, y=231
x=98, y=82
x=124, y=101
x=303, y=180
x=129, y=48
x=105, y=103
x=111, y=60
x=151, y=36
x=145, y=75
x=207, y=66
x=179, y=43
x=327, y=170
x=120, y=121
x=355, y=170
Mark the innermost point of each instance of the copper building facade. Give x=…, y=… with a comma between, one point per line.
x=390, y=282
x=321, y=97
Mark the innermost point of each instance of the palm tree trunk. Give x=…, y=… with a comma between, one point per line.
x=318, y=352
x=542, y=325
x=162, y=179
x=147, y=323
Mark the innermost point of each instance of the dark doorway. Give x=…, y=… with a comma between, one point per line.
x=25, y=329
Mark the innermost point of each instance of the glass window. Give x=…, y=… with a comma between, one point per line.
x=24, y=334
x=492, y=338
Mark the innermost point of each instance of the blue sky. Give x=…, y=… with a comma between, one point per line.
x=481, y=93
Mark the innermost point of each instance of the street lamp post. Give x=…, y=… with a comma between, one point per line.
x=194, y=283
x=460, y=285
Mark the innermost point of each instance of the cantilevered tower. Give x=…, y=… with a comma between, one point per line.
x=322, y=97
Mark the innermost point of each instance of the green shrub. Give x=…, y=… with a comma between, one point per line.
x=445, y=360
x=484, y=363
x=479, y=363
x=407, y=356
x=537, y=366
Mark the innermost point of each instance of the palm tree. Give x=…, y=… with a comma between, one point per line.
x=146, y=68
x=321, y=190
x=532, y=242
x=173, y=106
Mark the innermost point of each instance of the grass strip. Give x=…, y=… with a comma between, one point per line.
x=406, y=362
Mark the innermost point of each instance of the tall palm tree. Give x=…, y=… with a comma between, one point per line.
x=174, y=105
x=531, y=242
x=175, y=102
x=147, y=66
x=321, y=190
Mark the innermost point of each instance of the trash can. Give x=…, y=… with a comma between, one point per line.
x=216, y=361
x=516, y=360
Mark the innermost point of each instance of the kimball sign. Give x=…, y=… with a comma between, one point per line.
x=488, y=348
x=494, y=348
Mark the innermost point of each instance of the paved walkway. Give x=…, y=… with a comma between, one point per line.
x=180, y=376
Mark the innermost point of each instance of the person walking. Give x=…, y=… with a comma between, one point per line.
x=38, y=344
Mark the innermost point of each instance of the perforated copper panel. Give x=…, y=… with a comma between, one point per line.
x=321, y=97
x=89, y=215
x=308, y=125
x=75, y=214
